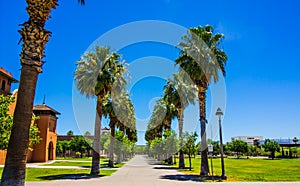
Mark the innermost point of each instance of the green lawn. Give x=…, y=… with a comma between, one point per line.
x=34, y=174
x=76, y=162
x=251, y=169
x=79, y=159
x=41, y=174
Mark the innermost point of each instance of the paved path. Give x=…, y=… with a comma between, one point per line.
x=142, y=171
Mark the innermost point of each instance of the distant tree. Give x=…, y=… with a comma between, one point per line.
x=123, y=146
x=70, y=133
x=295, y=140
x=189, y=147
x=254, y=150
x=238, y=146
x=156, y=148
x=62, y=147
x=171, y=143
x=294, y=151
x=104, y=139
x=140, y=149
x=87, y=133
x=226, y=148
x=272, y=147
x=80, y=144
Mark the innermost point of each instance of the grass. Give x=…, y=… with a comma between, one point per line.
x=41, y=174
x=251, y=169
x=34, y=174
x=79, y=159
x=76, y=162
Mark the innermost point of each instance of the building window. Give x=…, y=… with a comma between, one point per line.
x=3, y=85
x=51, y=126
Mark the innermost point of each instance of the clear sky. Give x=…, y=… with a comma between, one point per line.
x=261, y=41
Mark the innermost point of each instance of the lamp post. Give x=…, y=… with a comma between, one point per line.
x=220, y=114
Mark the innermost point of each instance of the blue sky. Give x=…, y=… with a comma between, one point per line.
x=262, y=44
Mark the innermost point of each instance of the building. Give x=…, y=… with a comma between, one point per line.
x=46, y=149
x=6, y=79
x=288, y=143
x=250, y=140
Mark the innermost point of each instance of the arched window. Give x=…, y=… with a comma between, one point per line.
x=3, y=85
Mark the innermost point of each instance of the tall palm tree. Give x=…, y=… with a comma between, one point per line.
x=108, y=111
x=180, y=93
x=34, y=37
x=121, y=105
x=202, y=58
x=97, y=74
x=157, y=122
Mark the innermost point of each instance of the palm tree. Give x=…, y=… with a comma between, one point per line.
x=97, y=74
x=120, y=104
x=109, y=111
x=202, y=58
x=157, y=122
x=34, y=37
x=180, y=93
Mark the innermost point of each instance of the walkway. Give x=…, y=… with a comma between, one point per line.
x=142, y=171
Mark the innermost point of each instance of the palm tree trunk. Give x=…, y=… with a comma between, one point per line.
x=180, y=126
x=15, y=163
x=96, y=144
x=202, y=105
x=34, y=38
x=112, y=142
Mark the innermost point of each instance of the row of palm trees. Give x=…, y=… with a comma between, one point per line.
x=201, y=62
x=103, y=74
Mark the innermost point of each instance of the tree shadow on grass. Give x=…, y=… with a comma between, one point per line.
x=170, y=168
x=70, y=176
x=195, y=178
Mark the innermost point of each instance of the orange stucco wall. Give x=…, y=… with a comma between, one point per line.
x=47, y=127
x=42, y=151
x=2, y=156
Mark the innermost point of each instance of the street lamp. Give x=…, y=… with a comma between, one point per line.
x=220, y=114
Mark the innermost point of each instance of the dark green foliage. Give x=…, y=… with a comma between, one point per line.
x=62, y=147
x=238, y=146
x=6, y=120
x=80, y=144
x=6, y=123
x=190, y=147
x=272, y=147
x=70, y=133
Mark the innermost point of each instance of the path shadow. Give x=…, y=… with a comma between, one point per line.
x=70, y=176
x=195, y=178
x=153, y=162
